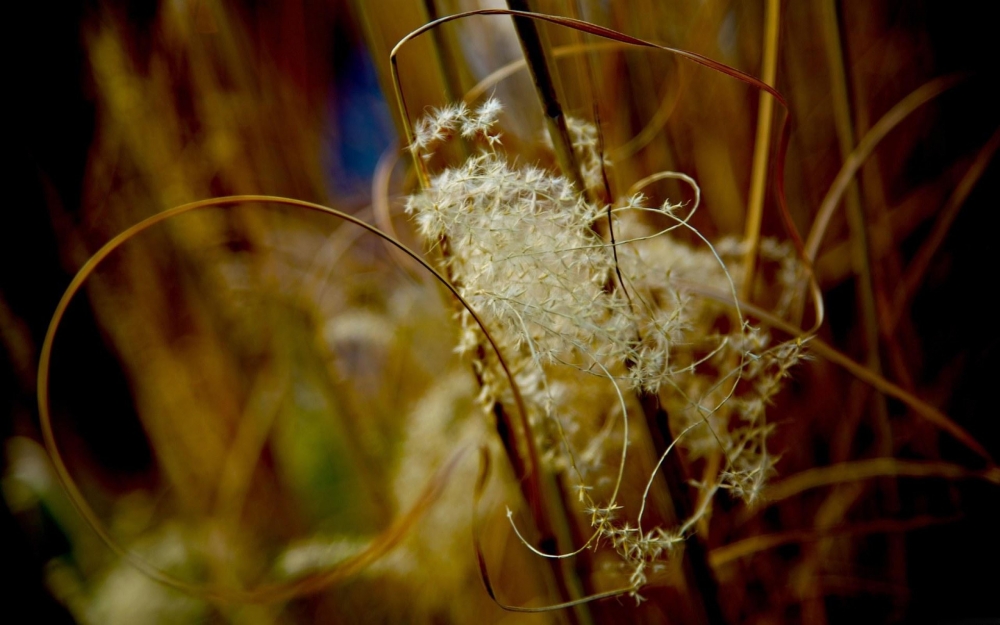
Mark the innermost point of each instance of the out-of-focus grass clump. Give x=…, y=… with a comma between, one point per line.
x=275, y=415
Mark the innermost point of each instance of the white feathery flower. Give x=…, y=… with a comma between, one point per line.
x=524, y=250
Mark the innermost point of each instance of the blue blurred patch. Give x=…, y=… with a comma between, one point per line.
x=359, y=126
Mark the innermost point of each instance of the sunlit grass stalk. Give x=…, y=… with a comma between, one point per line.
x=762, y=149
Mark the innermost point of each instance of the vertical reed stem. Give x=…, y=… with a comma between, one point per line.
x=446, y=60
x=762, y=148
x=704, y=602
x=555, y=121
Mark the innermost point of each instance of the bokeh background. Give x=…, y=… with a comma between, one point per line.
x=254, y=396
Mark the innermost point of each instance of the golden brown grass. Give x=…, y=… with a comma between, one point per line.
x=308, y=443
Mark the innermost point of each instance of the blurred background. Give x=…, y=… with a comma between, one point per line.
x=264, y=403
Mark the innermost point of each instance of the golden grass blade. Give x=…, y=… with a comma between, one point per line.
x=857, y=470
x=508, y=70
x=856, y=159
x=381, y=210
x=732, y=552
x=761, y=150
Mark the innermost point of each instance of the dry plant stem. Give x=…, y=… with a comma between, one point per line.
x=854, y=471
x=655, y=123
x=922, y=260
x=445, y=58
x=856, y=217
x=584, y=69
x=755, y=544
x=267, y=593
x=541, y=75
x=255, y=425
x=758, y=177
x=381, y=211
x=868, y=143
x=853, y=163
x=697, y=571
x=508, y=70
x=918, y=206
x=761, y=150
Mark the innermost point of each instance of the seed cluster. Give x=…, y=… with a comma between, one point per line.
x=522, y=245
